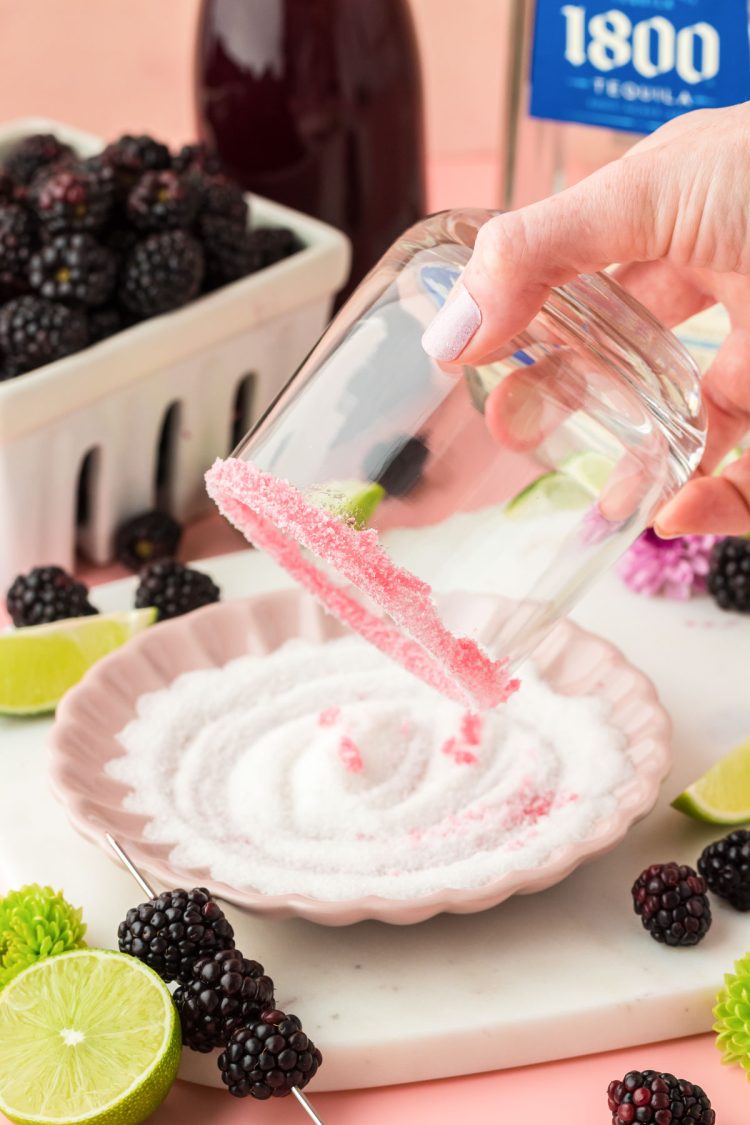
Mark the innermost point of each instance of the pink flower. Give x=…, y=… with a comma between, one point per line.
x=675, y=568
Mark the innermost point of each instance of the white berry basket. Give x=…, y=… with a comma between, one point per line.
x=134, y=421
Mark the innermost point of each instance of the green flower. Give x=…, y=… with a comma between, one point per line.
x=732, y=1014
x=35, y=922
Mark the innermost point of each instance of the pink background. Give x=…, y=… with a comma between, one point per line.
x=125, y=65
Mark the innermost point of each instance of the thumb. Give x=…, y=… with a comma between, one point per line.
x=624, y=213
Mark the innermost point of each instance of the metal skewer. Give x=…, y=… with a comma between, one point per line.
x=148, y=890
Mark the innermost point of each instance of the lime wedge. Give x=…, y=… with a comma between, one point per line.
x=590, y=469
x=353, y=500
x=552, y=492
x=39, y=664
x=722, y=795
x=90, y=1037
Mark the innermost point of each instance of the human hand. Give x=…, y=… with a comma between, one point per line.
x=677, y=209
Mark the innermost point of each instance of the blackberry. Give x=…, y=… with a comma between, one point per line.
x=35, y=331
x=222, y=197
x=103, y=322
x=174, y=589
x=650, y=1097
x=729, y=574
x=74, y=198
x=163, y=201
x=172, y=931
x=269, y=1057
x=225, y=993
x=268, y=245
x=17, y=244
x=398, y=467
x=46, y=594
x=224, y=248
x=161, y=273
x=33, y=153
x=147, y=536
x=131, y=156
x=73, y=267
x=671, y=901
x=198, y=158
x=725, y=865
x=10, y=192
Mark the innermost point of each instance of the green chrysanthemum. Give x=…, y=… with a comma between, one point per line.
x=732, y=1014
x=36, y=922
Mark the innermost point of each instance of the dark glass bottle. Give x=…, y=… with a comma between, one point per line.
x=318, y=104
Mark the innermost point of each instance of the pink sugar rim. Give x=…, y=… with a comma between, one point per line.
x=276, y=517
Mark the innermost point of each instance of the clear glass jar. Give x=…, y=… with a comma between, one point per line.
x=540, y=468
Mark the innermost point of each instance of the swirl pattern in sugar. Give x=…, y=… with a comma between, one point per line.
x=328, y=771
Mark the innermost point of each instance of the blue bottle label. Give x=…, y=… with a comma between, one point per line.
x=634, y=64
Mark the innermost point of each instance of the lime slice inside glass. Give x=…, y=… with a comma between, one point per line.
x=552, y=492
x=90, y=1037
x=353, y=500
x=722, y=795
x=39, y=664
x=590, y=469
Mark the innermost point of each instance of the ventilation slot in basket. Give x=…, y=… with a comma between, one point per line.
x=167, y=456
x=87, y=484
x=242, y=410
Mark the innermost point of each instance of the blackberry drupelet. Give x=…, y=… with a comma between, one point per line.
x=46, y=594
x=17, y=244
x=198, y=158
x=74, y=198
x=729, y=574
x=268, y=245
x=131, y=156
x=725, y=865
x=174, y=589
x=163, y=201
x=672, y=903
x=658, y=1099
x=34, y=331
x=224, y=248
x=400, y=471
x=103, y=322
x=171, y=932
x=33, y=153
x=145, y=537
x=162, y=272
x=73, y=267
x=226, y=992
x=267, y=1058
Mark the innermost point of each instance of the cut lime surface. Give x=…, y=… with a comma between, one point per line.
x=722, y=795
x=590, y=469
x=349, y=499
x=552, y=492
x=39, y=664
x=90, y=1037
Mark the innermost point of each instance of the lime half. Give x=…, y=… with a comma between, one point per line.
x=590, y=469
x=90, y=1037
x=722, y=795
x=353, y=500
x=550, y=493
x=39, y=664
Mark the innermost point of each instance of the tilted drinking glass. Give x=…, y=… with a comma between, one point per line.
x=380, y=474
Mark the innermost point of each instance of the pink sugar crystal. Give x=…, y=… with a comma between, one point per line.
x=328, y=716
x=471, y=729
x=277, y=518
x=453, y=749
x=350, y=756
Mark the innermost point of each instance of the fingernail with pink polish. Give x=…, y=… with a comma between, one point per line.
x=453, y=327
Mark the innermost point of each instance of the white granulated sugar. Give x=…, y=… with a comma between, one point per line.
x=328, y=771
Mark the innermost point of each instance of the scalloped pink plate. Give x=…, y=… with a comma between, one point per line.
x=84, y=739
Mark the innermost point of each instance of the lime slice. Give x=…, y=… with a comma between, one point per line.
x=39, y=664
x=552, y=492
x=590, y=469
x=353, y=500
x=721, y=796
x=90, y=1037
